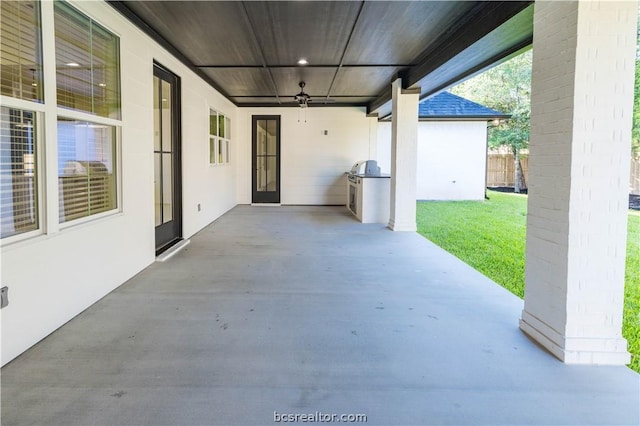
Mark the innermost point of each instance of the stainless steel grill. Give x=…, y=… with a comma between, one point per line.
x=365, y=168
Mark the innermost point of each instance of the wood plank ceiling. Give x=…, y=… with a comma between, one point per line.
x=249, y=50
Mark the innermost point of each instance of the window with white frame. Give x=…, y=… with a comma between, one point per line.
x=86, y=168
x=87, y=64
x=219, y=138
x=18, y=178
x=88, y=80
x=88, y=115
x=21, y=80
x=21, y=50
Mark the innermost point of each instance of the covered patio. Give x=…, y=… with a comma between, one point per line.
x=298, y=310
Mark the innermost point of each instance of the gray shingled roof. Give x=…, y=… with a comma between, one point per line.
x=448, y=105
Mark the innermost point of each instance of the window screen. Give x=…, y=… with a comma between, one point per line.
x=20, y=50
x=18, y=172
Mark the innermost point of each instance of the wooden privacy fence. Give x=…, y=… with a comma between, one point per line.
x=635, y=176
x=500, y=171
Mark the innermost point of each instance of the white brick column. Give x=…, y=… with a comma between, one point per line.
x=581, y=108
x=404, y=148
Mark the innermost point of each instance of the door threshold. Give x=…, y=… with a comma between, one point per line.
x=266, y=204
x=171, y=251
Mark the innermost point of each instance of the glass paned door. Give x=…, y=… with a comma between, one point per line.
x=166, y=153
x=266, y=159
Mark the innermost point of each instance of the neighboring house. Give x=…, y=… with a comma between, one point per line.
x=452, y=148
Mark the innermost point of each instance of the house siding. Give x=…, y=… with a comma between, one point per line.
x=312, y=163
x=451, y=159
x=55, y=276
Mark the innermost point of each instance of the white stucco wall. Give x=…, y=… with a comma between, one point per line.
x=312, y=164
x=451, y=159
x=54, y=276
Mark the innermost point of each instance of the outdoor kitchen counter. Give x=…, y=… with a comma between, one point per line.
x=368, y=197
x=361, y=175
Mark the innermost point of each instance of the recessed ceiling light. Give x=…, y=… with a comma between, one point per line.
x=73, y=64
x=302, y=61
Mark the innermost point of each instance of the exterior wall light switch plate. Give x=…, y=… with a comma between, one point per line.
x=4, y=297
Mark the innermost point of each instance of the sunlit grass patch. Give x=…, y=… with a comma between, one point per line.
x=490, y=236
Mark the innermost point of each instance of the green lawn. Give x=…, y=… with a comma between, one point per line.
x=490, y=236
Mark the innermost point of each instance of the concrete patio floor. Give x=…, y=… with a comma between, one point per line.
x=304, y=310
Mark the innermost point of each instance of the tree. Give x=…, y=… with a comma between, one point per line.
x=506, y=88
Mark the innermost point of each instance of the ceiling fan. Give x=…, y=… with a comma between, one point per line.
x=302, y=98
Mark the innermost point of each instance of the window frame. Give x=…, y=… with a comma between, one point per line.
x=37, y=109
x=213, y=151
x=39, y=67
x=46, y=113
x=65, y=113
x=220, y=145
x=92, y=21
